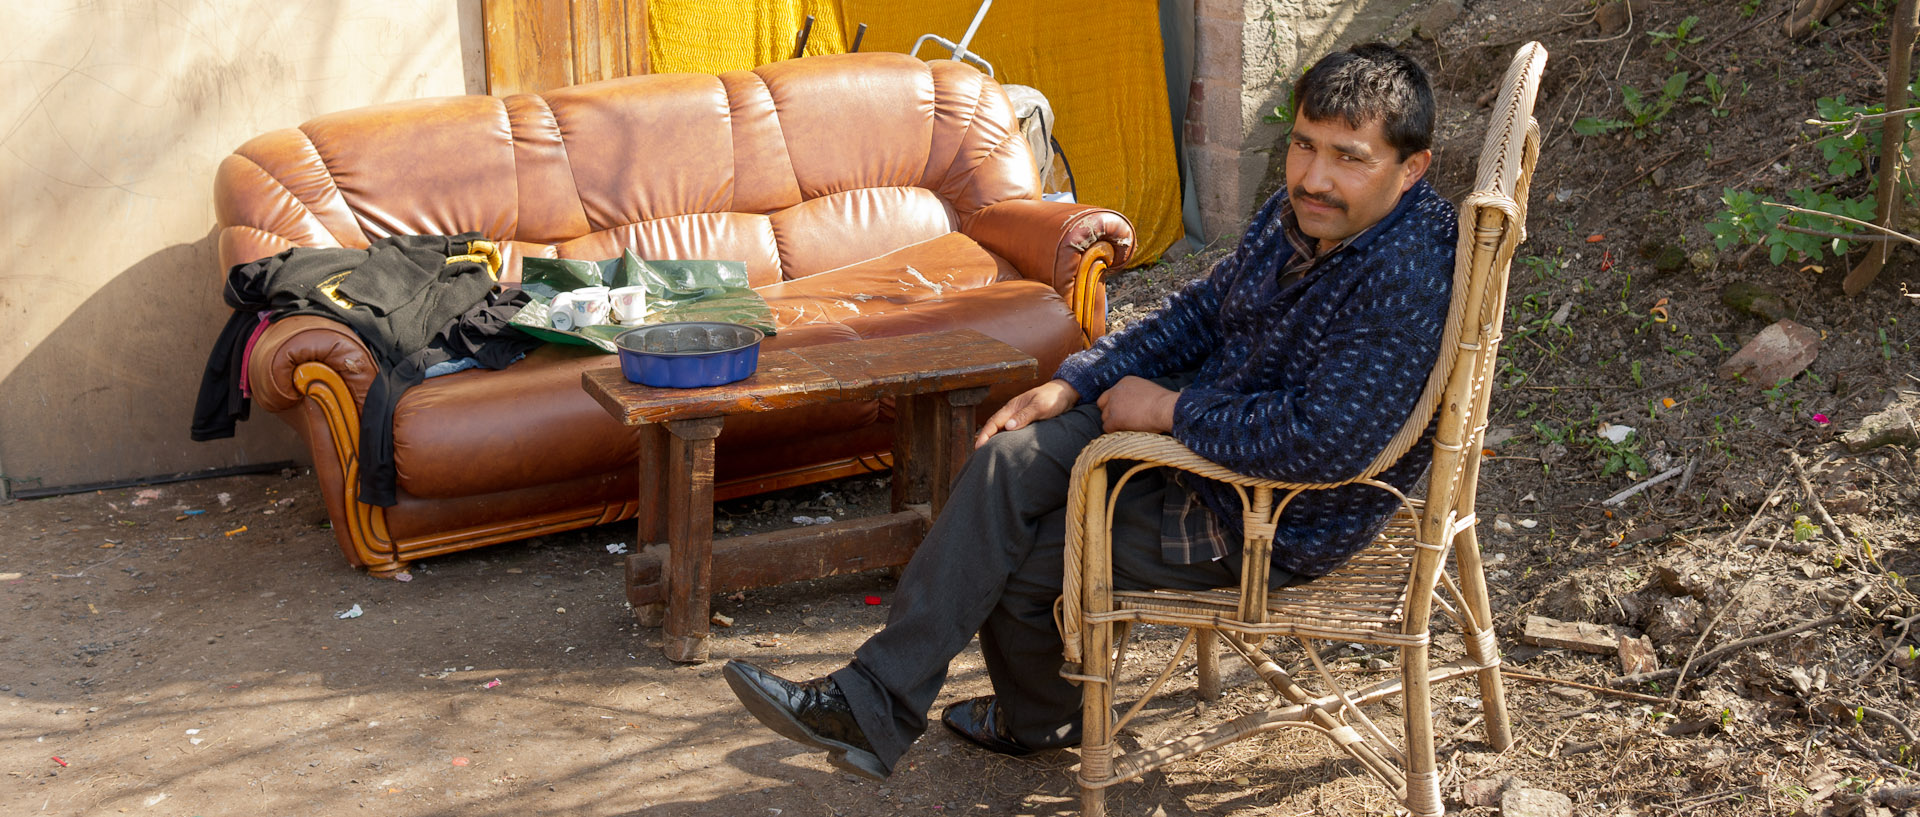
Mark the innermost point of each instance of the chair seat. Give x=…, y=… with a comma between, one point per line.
x=1364, y=600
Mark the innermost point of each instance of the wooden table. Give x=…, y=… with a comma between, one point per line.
x=937, y=379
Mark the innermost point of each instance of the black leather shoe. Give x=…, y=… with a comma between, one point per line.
x=814, y=713
x=978, y=720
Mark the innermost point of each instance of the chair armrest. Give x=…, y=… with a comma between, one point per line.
x=274, y=367
x=1069, y=246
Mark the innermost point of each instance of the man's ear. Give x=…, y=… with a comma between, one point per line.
x=1417, y=165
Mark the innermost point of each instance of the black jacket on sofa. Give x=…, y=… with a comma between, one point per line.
x=414, y=300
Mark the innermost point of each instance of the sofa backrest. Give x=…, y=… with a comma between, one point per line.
x=795, y=167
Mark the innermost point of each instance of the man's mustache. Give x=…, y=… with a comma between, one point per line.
x=1322, y=199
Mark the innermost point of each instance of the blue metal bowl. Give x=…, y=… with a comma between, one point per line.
x=688, y=355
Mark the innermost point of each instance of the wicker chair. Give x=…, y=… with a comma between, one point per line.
x=1384, y=596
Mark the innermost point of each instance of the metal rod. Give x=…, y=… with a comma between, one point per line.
x=960, y=52
x=857, y=37
x=800, y=42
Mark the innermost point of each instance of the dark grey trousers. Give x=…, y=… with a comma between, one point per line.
x=991, y=565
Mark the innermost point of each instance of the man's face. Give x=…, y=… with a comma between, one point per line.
x=1344, y=179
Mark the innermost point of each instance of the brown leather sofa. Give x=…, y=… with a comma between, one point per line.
x=870, y=195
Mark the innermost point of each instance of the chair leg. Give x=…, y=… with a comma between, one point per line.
x=1207, y=653
x=1096, y=719
x=1480, y=645
x=1423, y=780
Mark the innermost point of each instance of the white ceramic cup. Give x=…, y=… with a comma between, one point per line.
x=629, y=304
x=580, y=308
x=560, y=311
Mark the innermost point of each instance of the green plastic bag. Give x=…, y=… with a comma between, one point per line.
x=676, y=291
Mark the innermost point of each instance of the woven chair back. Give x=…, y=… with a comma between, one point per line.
x=1492, y=225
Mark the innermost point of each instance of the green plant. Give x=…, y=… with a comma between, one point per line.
x=1749, y=7
x=1680, y=37
x=1715, y=99
x=1803, y=529
x=1747, y=219
x=1846, y=146
x=1634, y=371
x=1644, y=112
x=1623, y=454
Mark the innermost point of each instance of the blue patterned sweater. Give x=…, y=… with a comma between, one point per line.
x=1306, y=383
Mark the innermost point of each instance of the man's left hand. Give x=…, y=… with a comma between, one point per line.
x=1137, y=404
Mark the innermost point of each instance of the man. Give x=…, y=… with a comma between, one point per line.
x=1297, y=358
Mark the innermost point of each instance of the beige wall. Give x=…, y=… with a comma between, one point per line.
x=114, y=118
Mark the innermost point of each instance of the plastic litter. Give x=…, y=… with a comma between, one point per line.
x=146, y=496
x=1616, y=434
x=874, y=600
x=56, y=759
x=352, y=612
x=460, y=761
x=194, y=512
x=241, y=529
x=403, y=577
x=490, y=684
x=225, y=499
x=617, y=548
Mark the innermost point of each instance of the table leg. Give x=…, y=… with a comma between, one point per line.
x=651, y=513
x=953, y=430
x=689, y=512
x=913, y=437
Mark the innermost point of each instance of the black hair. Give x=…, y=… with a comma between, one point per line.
x=1371, y=82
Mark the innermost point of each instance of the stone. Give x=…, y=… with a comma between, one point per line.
x=1573, y=635
x=1614, y=17
x=1437, y=17
x=1778, y=353
x=1484, y=792
x=1637, y=656
x=1519, y=802
x=1753, y=299
x=1673, y=620
x=1682, y=574
x=1898, y=424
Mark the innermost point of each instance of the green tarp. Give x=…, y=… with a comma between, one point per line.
x=676, y=291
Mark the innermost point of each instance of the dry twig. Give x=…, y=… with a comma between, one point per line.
x=1657, y=675
x=1834, y=531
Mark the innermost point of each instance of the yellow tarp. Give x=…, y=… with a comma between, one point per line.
x=1099, y=64
x=712, y=36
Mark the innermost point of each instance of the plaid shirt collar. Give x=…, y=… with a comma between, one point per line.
x=1306, y=248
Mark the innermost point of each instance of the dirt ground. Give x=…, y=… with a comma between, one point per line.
x=181, y=649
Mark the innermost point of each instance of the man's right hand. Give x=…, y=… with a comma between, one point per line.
x=1049, y=399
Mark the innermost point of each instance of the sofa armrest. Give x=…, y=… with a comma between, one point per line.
x=274, y=366
x=1070, y=246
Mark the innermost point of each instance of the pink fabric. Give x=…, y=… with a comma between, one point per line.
x=246, y=386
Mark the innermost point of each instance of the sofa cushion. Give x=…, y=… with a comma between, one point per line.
x=843, y=228
x=947, y=263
